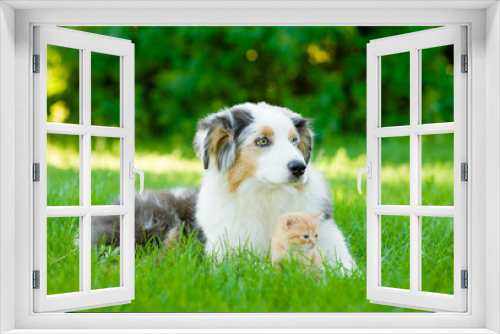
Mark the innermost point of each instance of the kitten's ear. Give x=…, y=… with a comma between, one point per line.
x=289, y=222
x=318, y=215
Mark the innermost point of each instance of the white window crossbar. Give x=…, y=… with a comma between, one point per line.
x=422, y=129
x=92, y=130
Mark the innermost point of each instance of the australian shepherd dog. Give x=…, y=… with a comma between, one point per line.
x=256, y=160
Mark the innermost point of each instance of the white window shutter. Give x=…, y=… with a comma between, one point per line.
x=86, y=43
x=414, y=297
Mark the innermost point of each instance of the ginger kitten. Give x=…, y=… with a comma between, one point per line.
x=296, y=235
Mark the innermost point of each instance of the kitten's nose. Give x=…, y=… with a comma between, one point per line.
x=297, y=167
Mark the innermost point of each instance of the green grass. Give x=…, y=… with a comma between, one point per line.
x=182, y=279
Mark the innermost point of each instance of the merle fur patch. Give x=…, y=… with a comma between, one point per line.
x=157, y=213
x=223, y=136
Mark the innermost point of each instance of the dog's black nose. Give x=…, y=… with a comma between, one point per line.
x=296, y=167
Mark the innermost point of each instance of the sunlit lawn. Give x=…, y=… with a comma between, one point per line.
x=184, y=280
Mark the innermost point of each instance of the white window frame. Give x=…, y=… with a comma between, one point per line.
x=483, y=21
x=413, y=44
x=85, y=44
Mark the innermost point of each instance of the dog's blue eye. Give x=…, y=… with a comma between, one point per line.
x=262, y=141
x=306, y=236
x=316, y=236
x=295, y=140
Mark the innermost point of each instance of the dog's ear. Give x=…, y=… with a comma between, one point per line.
x=220, y=144
x=305, y=135
x=218, y=137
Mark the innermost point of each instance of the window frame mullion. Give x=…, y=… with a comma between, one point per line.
x=85, y=171
x=415, y=171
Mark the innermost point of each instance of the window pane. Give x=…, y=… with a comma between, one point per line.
x=437, y=169
x=105, y=95
x=395, y=94
x=395, y=170
x=63, y=170
x=437, y=254
x=437, y=84
x=106, y=252
x=63, y=85
x=395, y=252
x=105, y=162
x=63, y=255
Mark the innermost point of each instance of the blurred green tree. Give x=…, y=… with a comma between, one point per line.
x=184, y=73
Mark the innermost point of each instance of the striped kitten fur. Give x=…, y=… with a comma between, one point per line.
x=161, y=214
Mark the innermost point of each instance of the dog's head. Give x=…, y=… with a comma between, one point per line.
x=256, y=141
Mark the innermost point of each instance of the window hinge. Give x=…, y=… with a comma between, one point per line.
x=36, y=172
x=36, y=279
x=36, y=63
x=465, y=64
x=464, y=172
x=465, y=279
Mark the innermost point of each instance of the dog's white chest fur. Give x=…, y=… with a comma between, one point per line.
x=248, y=216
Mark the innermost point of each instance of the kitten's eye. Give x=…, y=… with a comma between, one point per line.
x=295, y=141
x=306, y=236
x=316, y=236
x=262, y=141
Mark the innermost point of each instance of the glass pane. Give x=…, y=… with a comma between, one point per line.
x=63, y=170
x=396, y=252
x=63, y=85
x=437, y=169
x=437, y=254
x=395, y=170
x=105, y=95
x=395, y=94
x=105, y=252
x=105, y=165
x=437, y=84
x=63, y=255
